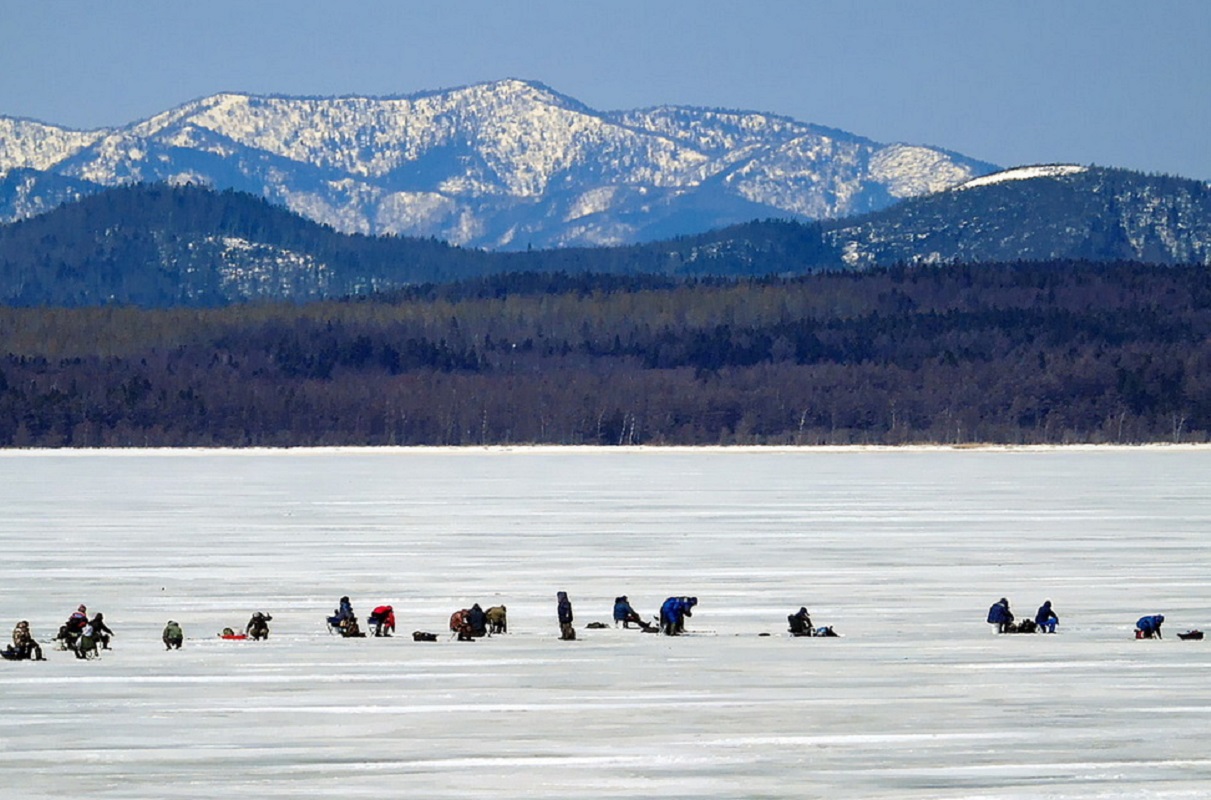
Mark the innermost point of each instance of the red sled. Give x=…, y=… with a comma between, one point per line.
x=232, y=636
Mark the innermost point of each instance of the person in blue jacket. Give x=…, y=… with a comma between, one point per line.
x=623, y=612
x=564, y=608
x=1000, y=615
x=673, y=613
x=1046, y=618
x=342, y=614
x=1149, y=627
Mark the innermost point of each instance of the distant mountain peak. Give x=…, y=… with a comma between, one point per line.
x=507, y=163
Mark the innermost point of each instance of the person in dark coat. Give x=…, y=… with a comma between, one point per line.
x=1046, y=618
x=258, y=626
x=478, y=621
x=564, y=609
x=101, y=631
x=800, y=623
x=1000, y=615
x=1149, y=627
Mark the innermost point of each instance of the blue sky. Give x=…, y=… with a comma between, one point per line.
x=1113, y=82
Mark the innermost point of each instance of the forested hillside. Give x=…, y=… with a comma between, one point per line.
x=1051, y=352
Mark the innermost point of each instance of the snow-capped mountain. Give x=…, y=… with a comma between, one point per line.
x=508, y=164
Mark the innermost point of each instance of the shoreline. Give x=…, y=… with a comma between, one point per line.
x=543, y=449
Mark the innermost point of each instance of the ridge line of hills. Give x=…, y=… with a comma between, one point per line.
x=163, y=245
x=502, y=165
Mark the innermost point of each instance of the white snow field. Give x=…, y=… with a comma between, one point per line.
x=901, y=550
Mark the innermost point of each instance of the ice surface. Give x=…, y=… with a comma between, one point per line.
x=902, y=551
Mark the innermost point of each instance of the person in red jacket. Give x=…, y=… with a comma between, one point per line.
x=382, y=619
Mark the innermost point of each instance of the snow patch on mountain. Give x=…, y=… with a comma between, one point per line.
x=1024, y=174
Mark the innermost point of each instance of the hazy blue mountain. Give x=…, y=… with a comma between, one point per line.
x=503, y=165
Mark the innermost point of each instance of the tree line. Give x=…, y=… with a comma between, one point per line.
x=1056, y=352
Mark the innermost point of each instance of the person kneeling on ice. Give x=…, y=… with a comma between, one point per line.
x=258, y=626
x=1149, y=627
x=173, y=636
x=382, y=619
x=1046, y=619
x=800, y=623
x=1000, y=615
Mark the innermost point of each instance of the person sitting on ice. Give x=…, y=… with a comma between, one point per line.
x=258, y=626
x=86, y=643
x=460, y=626
x=23, y=646
x=341, y=615
x=382, y=619
x=800, y=623
x=1000, y=616
x=624, y=613
x=173, y=637
x=1046, y=619
x=1149, y=627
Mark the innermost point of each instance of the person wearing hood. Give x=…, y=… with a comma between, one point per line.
x=1149, y=627
x=101, y=631
x=258, y=626
x=1046, y=618
x=1000, y=615
x=564, y=610
x=800, y=623
x=173, y=636
x=478, y=621
x=624, y=613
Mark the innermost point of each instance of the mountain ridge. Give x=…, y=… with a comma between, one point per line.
x=161, y=245
x=500, y=165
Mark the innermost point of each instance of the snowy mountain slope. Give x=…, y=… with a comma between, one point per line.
x=497, y=165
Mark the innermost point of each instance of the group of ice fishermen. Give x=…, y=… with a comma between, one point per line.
x=1045, y=621
x=84, y=635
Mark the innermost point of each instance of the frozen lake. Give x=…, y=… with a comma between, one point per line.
x=902, y=551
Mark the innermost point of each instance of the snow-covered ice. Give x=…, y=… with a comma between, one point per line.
x=902, y=551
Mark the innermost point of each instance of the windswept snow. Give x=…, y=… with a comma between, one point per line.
x=902, y=551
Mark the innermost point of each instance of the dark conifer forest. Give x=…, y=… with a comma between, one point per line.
x=1056, y=352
